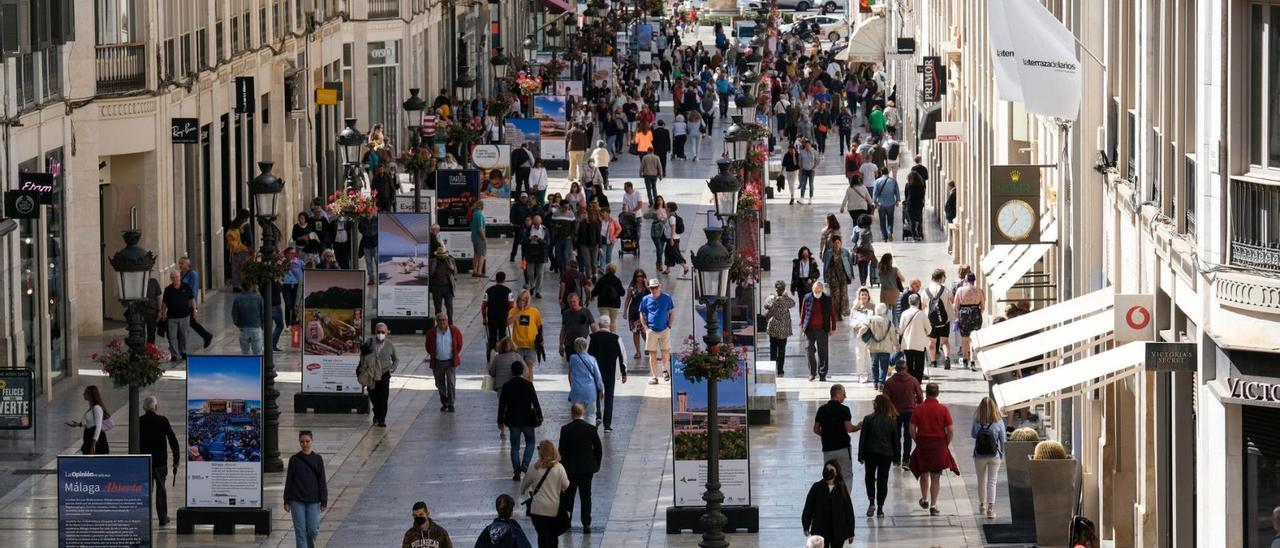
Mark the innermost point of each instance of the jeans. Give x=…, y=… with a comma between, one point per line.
x=877, y=478
x=588, y=258
x=251, y=340
x=564, y=249
x=886, y=222
x=521, y=235
x=843, y=458
x=581, y=485
x=442, y=299
x=178, y=336
x=778, y=353
x=845, y=137
x=306, y=522
x=158, y=474
x=651, y=188
x=724, y=105
x=915, y=364
x=806, y=182
x=290, y=297
x=371, y=264
x=522, y=180
x=606, y=255
x=533, y=277
x=879, y=367
x=988, y=471
x=519, y=464
x=904, y=432
x=277, y=317
x=604, y=176
x=446, y=377
x=817, y=337
x=378, y=398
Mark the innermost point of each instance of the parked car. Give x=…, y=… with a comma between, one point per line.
x=825, y=6
x=831, y=27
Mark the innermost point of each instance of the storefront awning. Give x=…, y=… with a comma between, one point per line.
x=1066, y=311
x=866, y=44
x=1051, y=345
x=557, y=6
x=1021, y=260
x=1072, y=378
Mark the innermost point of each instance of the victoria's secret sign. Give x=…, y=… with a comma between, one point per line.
x=1253, y=390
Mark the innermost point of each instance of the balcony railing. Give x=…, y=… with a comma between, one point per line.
x=1255, y=225
x=121, y=67
x=384, y=9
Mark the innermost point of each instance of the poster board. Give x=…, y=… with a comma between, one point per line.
x=17, y=399
x=602, y=69
x=104, y=500
x=404, y=246
x=644, y=37
x=568, y=88
x=456, y=193
x=524, y=131
x=689, y=430
x=224, y=425
x=552, y=114
x=332, y=329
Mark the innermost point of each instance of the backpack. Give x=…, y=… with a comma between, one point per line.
x=937, y=311
x=679, y=224
x=864, y=239
x=986, y=441
x=655, y=230
x=893, y=151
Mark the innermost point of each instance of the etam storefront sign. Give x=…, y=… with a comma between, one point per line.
x=41, y=183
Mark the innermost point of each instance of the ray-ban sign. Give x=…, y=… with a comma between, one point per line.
x=184, y=131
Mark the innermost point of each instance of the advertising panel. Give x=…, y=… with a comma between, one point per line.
x=602, y=70
x=104, y=500
x=456, y=193
x=644, y=37
x=524, y=131
x=333, y=317
x=404, y=246
x=552, y=116
x=569, y=87
x=1135, y=318
x=224, y=425
x=17, y=399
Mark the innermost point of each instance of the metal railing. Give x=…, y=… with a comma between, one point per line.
x=121, y=67
x=1255, y=225
x=384, y=9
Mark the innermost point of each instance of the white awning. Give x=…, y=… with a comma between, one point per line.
x=1079, y=307
x=866, y=44
x=1019, y=260
x=1010, y=355
x=1072, y=378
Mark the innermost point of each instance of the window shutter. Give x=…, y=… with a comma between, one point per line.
x=63, y=21
x=40, y=28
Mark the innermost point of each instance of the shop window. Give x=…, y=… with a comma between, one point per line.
x=1261, y=470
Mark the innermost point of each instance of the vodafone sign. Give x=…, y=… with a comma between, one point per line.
x=1135, y=318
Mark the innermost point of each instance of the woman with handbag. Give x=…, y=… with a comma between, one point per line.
x=543, y=487
x=97, y=421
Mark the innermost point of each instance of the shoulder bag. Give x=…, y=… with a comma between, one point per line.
x=528, y=502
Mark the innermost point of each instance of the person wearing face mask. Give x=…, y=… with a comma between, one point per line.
x=425, y=532
x=385, y=354
x=828, y=510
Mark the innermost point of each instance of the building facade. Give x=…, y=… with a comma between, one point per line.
x=161, y=109
x=1167, y=186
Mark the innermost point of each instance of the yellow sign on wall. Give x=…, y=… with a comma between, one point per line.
x=326, y=96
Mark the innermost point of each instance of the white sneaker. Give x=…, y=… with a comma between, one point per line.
x=991, y=511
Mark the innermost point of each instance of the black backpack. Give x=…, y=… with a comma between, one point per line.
x=679, y=224
x=986, y=442
x=893, y=151
x=937, y=310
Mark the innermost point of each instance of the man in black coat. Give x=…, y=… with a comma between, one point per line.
x=662, y=143
x=580, y=454
x=606, y=347
x=153, y=431
x=521, y=163
x=519, y=411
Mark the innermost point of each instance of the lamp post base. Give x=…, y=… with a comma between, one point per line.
x=681, y=519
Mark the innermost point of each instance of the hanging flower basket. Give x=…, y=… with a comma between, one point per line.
x=528, y=85
x=500, y=105
x=717, y=364
x=128, y=369
x=353, y=206
x=755, y=131
x=262, y=272
x=745, y=269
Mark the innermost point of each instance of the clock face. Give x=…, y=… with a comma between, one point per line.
x=1016, y=219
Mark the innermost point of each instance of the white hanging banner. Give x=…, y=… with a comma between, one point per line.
x=1035, y=58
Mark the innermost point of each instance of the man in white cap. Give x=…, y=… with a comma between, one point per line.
x=606, y=347
x=659, y=313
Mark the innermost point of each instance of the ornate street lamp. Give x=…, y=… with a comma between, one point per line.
x=735, y=139
x=351, y=141
x=711, y=265
x=589, y=15
x=746, y=102
x=463, y=83
x=725, y=187
x=413, y=107
x=132, y=265
x=266, y=189
x=499, y=62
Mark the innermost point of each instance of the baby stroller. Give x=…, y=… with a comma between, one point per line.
x=630, y=236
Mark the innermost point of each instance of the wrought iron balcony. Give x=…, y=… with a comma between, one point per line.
x=1255, y=225
x=121, y=67
x=384, y=9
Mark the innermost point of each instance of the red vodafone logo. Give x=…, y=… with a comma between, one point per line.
x=1138, y=317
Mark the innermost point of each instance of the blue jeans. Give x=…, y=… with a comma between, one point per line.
x=606, y=255
x=518, y=464
x=251, y=340
x=886, y=222
x=371, y=264
x=306, y=522
x=879, y=366
x=806, y=181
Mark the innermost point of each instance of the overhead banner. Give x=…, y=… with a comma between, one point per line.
x=17, y=399
x=333, y=320
x=224, y=425
x=404, y=248
x=104, y=500
x=552, y=115
x=933, y=84
x=1035, y=58
x=457, y=191
x=1135, y=318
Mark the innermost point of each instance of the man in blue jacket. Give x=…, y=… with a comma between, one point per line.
x=887, y=196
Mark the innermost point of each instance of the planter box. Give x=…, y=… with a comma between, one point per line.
x=1055, y=487
x=1017, y=467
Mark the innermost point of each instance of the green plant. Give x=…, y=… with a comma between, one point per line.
x=262, y=272
x=755, y=131
x=745, y=269
x=1024, y=434
x=716, y=364
x=128, y=369
x=353, y=206
x=500, y=105
x=1050, y=450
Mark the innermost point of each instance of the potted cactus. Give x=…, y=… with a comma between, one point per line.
x=1055, y=488
x=1017, y=465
